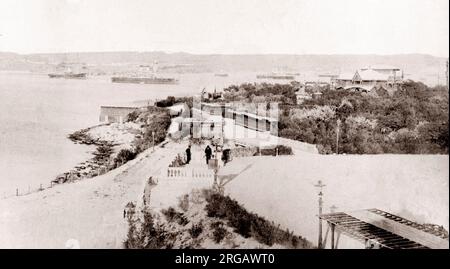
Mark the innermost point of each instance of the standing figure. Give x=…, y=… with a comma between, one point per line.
x=226, y=156
x=188, y=154
x=208, y=154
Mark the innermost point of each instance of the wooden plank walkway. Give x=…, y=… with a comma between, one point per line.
x=405, y=228
x=363, y=226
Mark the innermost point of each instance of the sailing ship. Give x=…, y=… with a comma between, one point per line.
x=68, y=73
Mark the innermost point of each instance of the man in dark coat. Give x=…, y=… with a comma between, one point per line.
x=208, y=154
x=188, y=154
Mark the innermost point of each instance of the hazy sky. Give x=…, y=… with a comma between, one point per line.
x=227, y=26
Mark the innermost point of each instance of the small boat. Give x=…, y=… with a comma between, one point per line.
x=221, y=75
x=68, y=75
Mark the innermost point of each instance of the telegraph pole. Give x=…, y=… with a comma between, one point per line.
x=320, y=185
x=337, y=135
x=153, y=137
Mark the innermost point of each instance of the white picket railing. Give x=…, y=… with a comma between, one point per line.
x=189, y=172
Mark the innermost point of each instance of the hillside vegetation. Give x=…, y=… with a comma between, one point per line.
x=204, y=219
x=410, y=120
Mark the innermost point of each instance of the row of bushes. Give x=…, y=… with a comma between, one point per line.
x=249, y=224
x=171, y=100
x=279, y=149
x=261, y=92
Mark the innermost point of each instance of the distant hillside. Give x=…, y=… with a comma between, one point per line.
x=422, y=67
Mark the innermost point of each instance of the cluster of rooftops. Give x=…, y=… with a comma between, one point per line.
x=363, y=79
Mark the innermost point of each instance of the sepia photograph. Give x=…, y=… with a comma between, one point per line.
x=224, y=124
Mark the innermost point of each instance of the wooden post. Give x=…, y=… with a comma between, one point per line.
x=153, y=141
x=320, y=185
x=17, y=191
x=320, y=222
x=332, y=235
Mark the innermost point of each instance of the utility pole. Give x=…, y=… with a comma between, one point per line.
x=216, y=185
x=337, y=135
x=320, y=185
x=153, y=138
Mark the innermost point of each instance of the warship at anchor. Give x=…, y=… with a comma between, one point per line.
x=144, y=77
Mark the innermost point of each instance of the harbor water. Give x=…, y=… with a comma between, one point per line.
x=37, y=114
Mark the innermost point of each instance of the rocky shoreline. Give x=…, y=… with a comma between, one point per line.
x=95, y=166
x=103, y=159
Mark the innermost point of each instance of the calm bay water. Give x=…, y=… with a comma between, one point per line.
x=37, y=114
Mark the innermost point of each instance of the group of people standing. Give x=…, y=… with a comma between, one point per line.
x=208, y=154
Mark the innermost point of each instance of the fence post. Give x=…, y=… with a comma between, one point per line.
x=17, y=191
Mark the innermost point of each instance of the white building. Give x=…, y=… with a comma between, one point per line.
x=368, y=78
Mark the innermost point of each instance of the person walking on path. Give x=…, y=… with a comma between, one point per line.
x=208, y=153
x=188, y=154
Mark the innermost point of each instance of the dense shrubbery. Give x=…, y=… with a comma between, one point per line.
x=147, y=234
x=171, y=100
x=259, y=93
x=196, y=230
x=173, y=216
x=155, y=122
x=280, y=149
x=133, y=116
x=103, y=153
x=124, y=156
x=219, y=231
x=249, y=224
x=413, y=120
